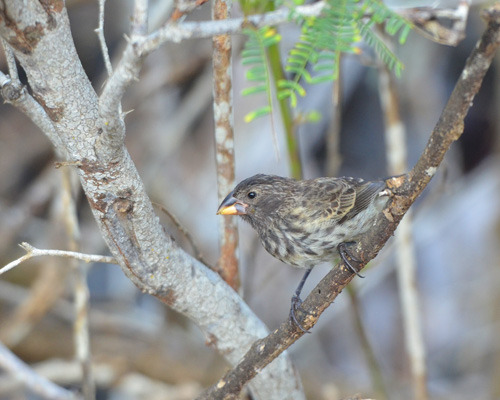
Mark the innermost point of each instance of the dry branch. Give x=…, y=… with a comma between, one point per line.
x=38, y=384
x=34, y=252
x=224, y=143
x=90, y=131
x=405, y=189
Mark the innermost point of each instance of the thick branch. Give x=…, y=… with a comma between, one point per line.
x=116, y=194
x=405, y=190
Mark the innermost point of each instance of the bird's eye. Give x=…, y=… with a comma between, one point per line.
x=252, y=195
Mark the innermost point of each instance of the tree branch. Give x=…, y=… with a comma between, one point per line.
x=32, y=252
x=127, y=71
x=116, y=194
x=15, y=93
x=31, y=379
x=404, y=189
x=102, y=39
x=140, y=45
x=10, y=60
x=224, y=143
x=176, y=32
x=140, y=18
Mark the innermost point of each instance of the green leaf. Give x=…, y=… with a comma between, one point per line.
x=403, y=35
x=313, y=116
x=254, y=56
x=383, y=52
x=253, y=90
x=315, y=58
x=296, y=87
x=266, y=110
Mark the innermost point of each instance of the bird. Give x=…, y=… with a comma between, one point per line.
x=306, y=222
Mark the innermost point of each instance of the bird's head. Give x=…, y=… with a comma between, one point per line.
x=257, y=198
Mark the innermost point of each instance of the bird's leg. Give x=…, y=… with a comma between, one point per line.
x=297, y=301
x=344, y=253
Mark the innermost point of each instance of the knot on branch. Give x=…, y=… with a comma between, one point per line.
x=12, y=91
x=123, y=206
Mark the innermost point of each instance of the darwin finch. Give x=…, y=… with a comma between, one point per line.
x=304, y=223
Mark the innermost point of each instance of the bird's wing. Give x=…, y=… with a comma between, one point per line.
x=341, y=199
x=364, y=196
x=323, y=199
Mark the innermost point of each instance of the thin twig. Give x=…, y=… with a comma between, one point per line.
x=34, y=252
x=176, y=32
x=81, y=290
x=373, y=364
x=405, y=189
x=184, y=231
x=48, y=285
x=183, y=7
x=333, y=156
x=427, y=21
x=127, y=71
x=81, y=330
x=15, y=93
x=102, y=39
x=110, y=142
x=4, y=79
x=11, y=60
x=140, y=18
x=287, y=118
x=38, y=384
x=224, y=143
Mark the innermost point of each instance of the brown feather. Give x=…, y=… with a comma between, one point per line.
x=303, y=222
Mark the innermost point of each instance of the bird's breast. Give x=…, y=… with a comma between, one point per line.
x=300, y=247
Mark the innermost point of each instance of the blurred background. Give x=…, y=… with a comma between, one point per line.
x=143, y=350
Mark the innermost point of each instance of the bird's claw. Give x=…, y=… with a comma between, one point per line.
x=296, y=303
x=344, y=255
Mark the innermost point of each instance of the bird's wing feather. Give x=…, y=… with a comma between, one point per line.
x=346, y=200
x=326, y=199
x=365, y=194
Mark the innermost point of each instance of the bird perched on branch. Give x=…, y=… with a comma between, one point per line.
x=304, y=223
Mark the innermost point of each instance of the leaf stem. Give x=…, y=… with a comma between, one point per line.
x=292, y=144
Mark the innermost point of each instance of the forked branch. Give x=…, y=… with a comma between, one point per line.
x=404, y=189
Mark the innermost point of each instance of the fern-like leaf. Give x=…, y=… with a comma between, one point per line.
x=321, y=43
x=381, y=14
x=342, y=24
x=254, y=56
x=383, y=52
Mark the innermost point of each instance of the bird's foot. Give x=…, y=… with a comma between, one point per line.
x=345, y=254
x=296, y=303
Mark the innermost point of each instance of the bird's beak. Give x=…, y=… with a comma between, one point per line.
x=232, y=206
